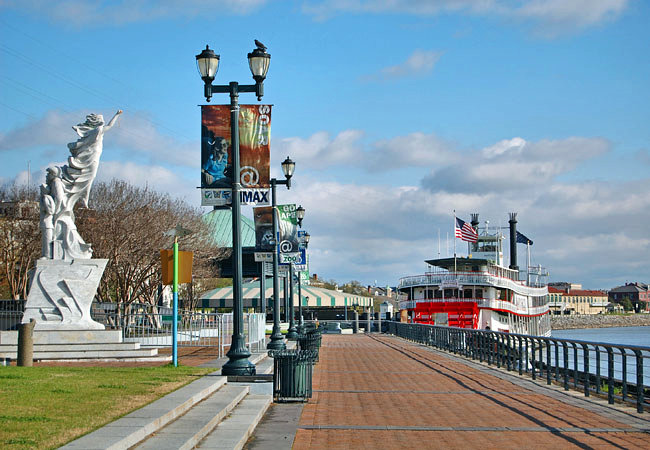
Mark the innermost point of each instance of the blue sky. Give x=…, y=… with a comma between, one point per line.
x=396, y=113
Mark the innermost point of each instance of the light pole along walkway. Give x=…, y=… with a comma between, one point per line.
x=380, y=391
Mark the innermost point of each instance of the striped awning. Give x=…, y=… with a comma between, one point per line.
x=311, y=296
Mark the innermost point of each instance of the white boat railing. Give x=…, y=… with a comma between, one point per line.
x=471, y=278
x=481, y=303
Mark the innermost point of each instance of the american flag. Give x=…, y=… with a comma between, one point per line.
x=465, y=231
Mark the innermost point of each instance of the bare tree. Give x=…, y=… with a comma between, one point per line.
x=20, y=243
x=127, y=225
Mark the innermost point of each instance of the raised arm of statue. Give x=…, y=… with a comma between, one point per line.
x=110, y=124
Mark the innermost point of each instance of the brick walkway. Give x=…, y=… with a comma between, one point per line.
x=383, y=392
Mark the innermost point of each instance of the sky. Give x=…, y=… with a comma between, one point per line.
x=396, y=112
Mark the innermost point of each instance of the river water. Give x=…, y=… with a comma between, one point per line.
x=639, y=336
x=616, y=335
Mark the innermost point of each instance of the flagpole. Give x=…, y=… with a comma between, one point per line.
x=527, y=263
x=455, y=241
x=438, y=243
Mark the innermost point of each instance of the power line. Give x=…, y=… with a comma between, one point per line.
x=91, y=91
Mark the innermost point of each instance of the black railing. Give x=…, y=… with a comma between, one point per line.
x=621, y=372
x=11, y=314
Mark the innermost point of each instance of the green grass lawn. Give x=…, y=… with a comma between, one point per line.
x=46, y=407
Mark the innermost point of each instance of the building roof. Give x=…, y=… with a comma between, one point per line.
x=311, y=296
x=586, y=293
x=630, y=287
x=552, y=290
x=221, y=220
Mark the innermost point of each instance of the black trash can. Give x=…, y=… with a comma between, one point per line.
x=310, y=341
x=292, y=375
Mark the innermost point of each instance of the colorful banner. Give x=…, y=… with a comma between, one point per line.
x=287, y=229
x=263, y=218
x=216, y=152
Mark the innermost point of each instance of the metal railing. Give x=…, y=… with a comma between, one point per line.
x=152, y=326
x=11, y=314
x=195, y=329
x=481, y=303
x=621, y=372
x=471, y=278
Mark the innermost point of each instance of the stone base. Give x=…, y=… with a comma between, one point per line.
x=77, y=345
x=62, y=292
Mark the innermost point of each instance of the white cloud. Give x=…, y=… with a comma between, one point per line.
x=320, y=151
x=515, y=164
x=419, y=63
x=555, y=16
x=82, y=13
x=134, y=132
x=592, y=232
x=549, y=17
x=155, y=177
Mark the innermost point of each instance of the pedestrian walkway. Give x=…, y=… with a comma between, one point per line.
x=379, y=391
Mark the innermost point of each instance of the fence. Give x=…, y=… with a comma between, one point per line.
x=620, y=371
x=152, y=326
x=11, y=313
x=195, y=329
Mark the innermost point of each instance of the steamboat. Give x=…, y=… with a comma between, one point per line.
x=479, y=291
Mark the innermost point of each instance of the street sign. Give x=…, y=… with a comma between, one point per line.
x=299, y=267
x=283, y=269
x=288, y=258
x=263, y=257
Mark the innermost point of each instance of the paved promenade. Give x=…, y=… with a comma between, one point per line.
x=382, y=392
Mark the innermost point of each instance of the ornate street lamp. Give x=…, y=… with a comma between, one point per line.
x=277, y=340
x=300, y=213
x=208, y=64
x=301, y=322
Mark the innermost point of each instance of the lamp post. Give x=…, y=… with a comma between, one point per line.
x=208, y=64
x=277, y=341
x=301, y=322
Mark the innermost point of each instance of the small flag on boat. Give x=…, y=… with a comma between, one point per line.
x=465, y=231
x=521, y=239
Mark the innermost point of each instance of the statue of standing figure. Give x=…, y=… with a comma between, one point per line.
x=66, y=278
x=68, y=184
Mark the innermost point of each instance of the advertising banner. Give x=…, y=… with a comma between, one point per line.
x=288, y=230
x=263, y=218
x=294, y=258
x=216, y=153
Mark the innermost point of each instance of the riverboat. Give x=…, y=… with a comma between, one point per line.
x=478, y=291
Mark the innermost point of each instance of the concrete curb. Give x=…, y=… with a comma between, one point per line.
x=197, y=423
x=234, y=432
x=138, y=425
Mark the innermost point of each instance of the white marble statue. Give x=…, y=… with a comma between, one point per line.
x=68, y=184
x=66, y=278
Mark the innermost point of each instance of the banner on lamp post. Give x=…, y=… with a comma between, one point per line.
x=288, y=243
x=216, y=154
x=264, y=239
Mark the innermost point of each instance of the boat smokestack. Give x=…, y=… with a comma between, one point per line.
x=513, y=241
x=474, y=221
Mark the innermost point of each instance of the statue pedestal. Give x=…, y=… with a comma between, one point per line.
x=62, y=292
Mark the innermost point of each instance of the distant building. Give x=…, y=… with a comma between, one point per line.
x=638, y=293
x=576, y=301
x=564, y=286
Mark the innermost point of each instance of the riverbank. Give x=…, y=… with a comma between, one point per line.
x=599, y=321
